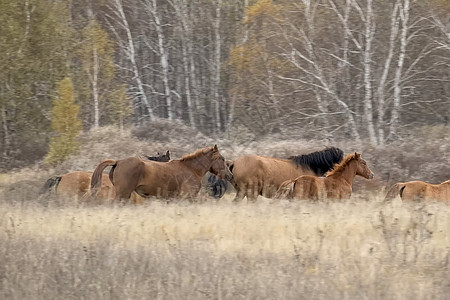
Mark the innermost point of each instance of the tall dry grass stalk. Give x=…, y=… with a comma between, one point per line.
x=359, y=249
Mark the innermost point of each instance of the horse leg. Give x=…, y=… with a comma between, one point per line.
x=123, y=194
x=253, y=193
x=240, y=194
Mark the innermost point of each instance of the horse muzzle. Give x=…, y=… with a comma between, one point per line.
x=371, y=176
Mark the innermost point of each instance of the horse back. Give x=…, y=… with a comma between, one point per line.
x=276, y=170
x=74, y=184
x=170, y=179
x=413, y=190
x=439, y=192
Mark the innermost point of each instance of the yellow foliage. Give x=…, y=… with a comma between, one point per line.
x=65, y=124
x=96, y=39
x=120, y=105
x=262, y=8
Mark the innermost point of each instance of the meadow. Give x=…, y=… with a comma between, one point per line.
x=358, y=249
x=362, y=248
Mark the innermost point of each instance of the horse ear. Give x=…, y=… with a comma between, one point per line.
x=215, y=147
x=167, y=153
x=357, y=155
x=157, y=153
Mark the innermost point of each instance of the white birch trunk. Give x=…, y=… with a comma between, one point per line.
x=131, y=55
x=387, y=64
x=163, y=58
x=188, y=62
x=95, y=93
x=187, y=83
x=27, y=26
x=320, y=102
x=404, y=17
x=216, y=81
x=244, y=40
x=368, y=112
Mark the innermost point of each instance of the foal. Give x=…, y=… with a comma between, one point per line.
x=337, y=184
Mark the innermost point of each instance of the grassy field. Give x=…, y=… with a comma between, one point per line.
x=359, y=249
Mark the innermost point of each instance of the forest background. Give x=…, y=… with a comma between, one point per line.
x=88, y=80
x=371, y=72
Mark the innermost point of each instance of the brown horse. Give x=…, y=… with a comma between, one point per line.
x=255, y=175
x=419, y=190
x=76, y=184
x=336, y=185
x=180, y=177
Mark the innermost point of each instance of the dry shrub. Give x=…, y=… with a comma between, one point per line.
x=165, y=131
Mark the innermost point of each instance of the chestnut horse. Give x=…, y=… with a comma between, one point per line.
x=76, y=184
x=255, y=175
x=337, y=184
x=419, y=190
x=181, y=177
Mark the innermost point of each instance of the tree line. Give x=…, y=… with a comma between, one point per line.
x=356, y=69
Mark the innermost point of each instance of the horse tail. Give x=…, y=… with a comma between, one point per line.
x=286, y=190
x=96, y=181
x=395, y=190
x=51, y=183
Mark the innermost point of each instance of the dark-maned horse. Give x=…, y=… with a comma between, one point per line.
x=337, y=184
x=180, y=177
x=419, y=190
x=255, y=175
x=216, y=186
x=76, y=184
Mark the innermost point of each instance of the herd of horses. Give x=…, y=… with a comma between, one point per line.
x=320, y=175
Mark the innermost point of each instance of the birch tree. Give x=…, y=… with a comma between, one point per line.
x=153, y=12
x=97, y=60
x=187, y=57
x=119, y=24
x=404, y=17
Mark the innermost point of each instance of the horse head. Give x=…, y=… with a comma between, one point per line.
x=219, y=166
x=362, y=169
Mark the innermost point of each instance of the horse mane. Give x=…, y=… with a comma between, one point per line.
x=160, y=157
x=200, y=152
x=320, y=161
x=341, y=166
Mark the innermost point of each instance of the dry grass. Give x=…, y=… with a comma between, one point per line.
x=360, y=249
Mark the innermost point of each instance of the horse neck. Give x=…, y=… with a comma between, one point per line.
x=199, y=165
x=348, y=173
